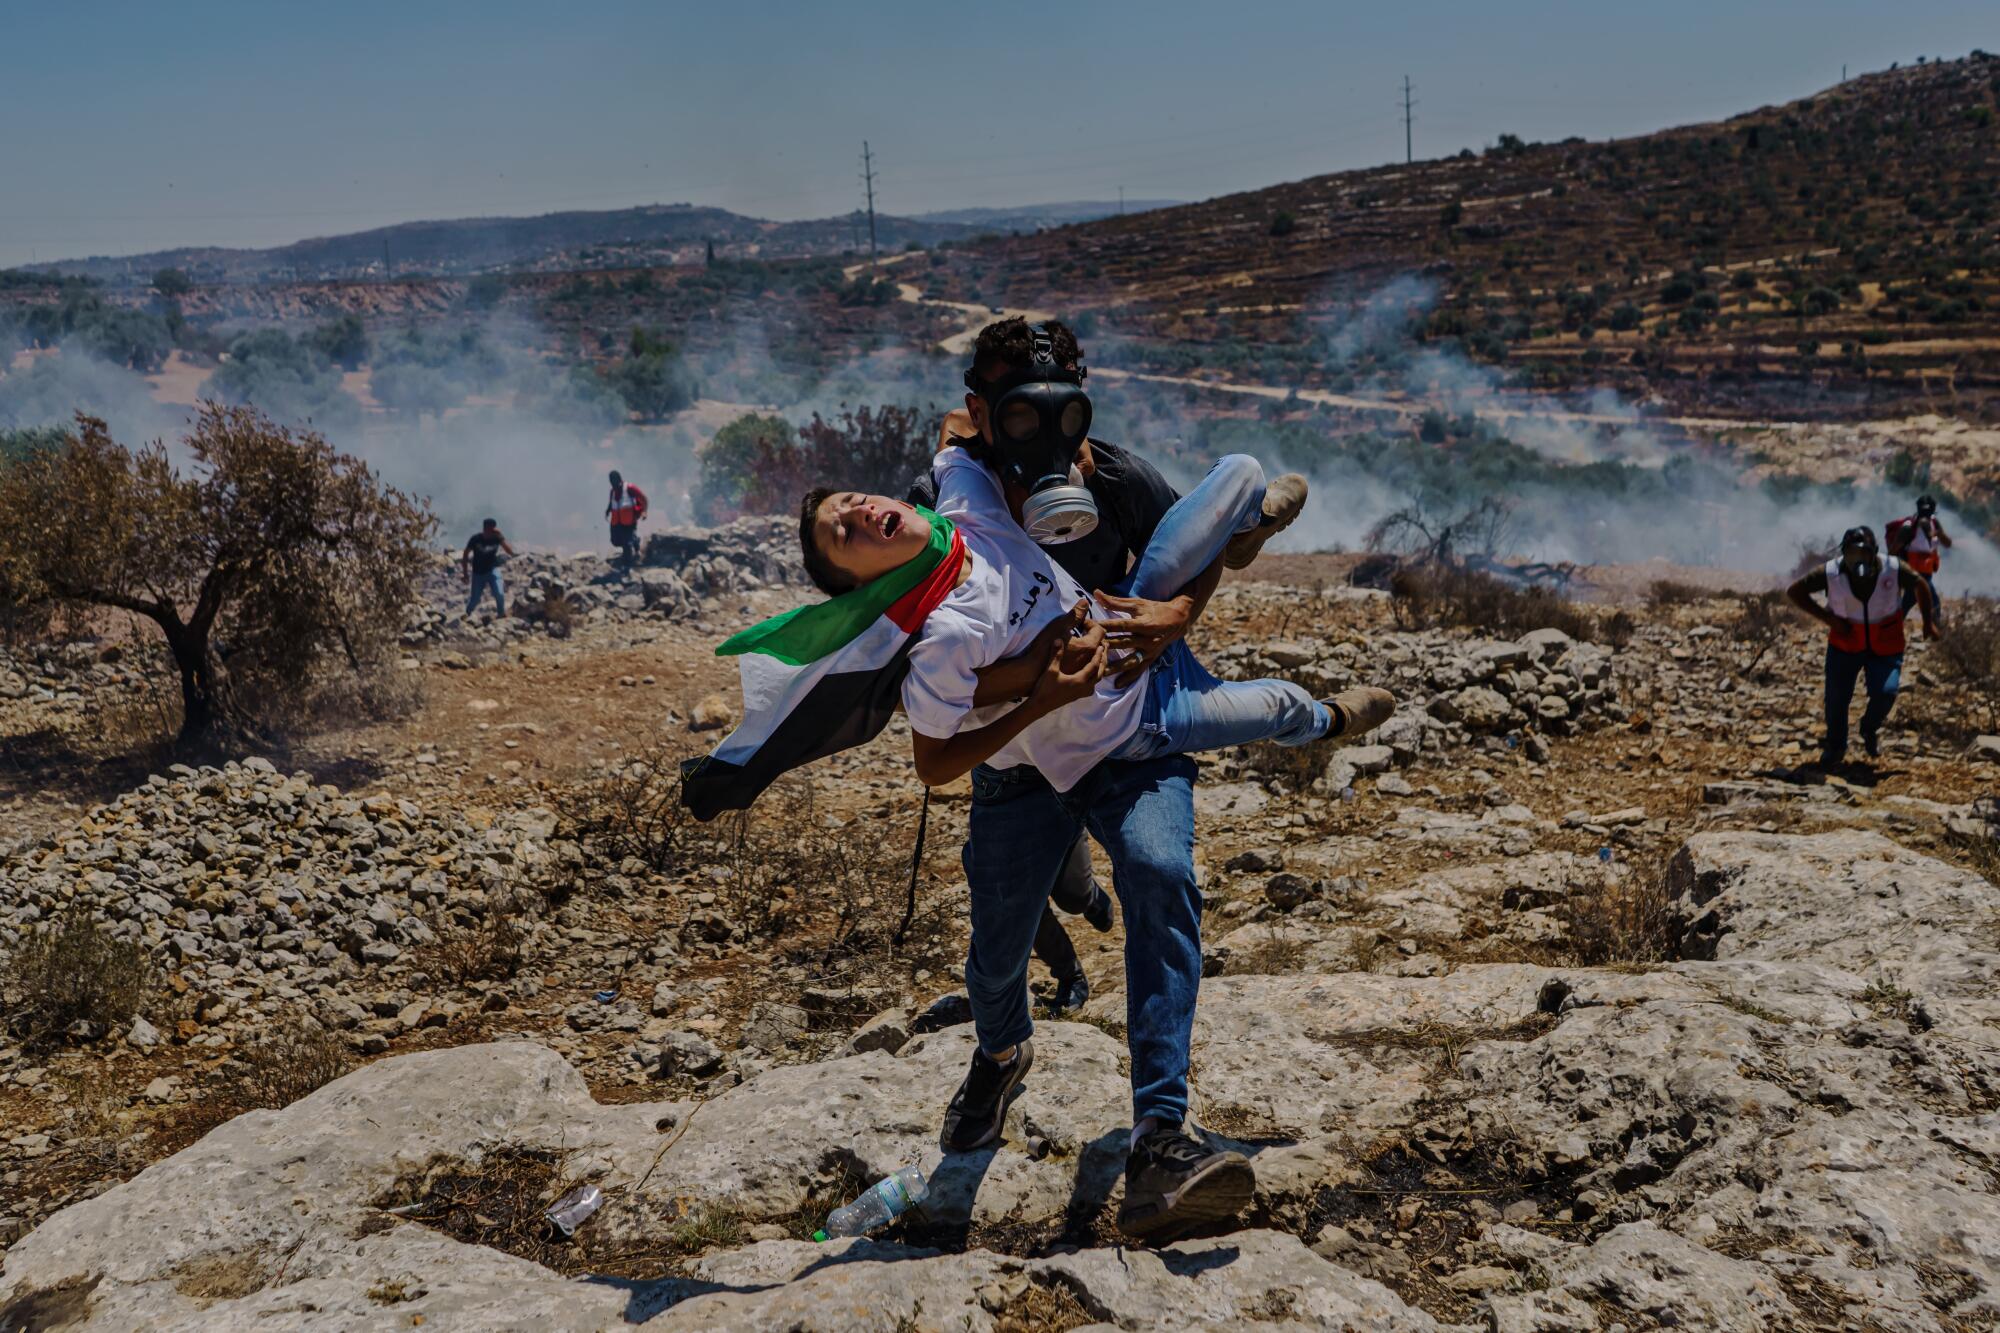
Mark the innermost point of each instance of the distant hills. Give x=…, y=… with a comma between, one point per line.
x=617, y=238
x=1830, y=250
x=1042, y=217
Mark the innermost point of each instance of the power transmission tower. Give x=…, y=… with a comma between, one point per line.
x=868, y=181
x=1408, y=156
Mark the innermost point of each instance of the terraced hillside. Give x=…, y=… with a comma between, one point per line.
x=1832, y=253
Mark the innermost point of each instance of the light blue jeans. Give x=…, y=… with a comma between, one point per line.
x=1186, y=708
x=489, y=581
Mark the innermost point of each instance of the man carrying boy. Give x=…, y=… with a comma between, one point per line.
x=1114, y=758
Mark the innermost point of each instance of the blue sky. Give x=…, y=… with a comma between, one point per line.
x=138, y=126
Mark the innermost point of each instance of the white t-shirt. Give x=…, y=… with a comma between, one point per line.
x=1012, y=593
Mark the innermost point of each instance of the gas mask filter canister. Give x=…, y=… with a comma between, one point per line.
x=1041, y=416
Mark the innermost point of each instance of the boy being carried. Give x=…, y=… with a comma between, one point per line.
x=1006, y=600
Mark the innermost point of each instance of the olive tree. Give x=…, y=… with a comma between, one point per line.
x=268, y=561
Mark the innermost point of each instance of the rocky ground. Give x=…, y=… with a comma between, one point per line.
x=1561, y=1003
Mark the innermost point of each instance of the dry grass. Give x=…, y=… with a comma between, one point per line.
x=74, y=980
x=1969, y=654
x=634, y=811
x=1619, y=919
x=497, y=1202
x=295, y=1058
x=1442, y=594
x=1271, y=952
x=1668, y=592
x=552, y=611
x=714, y=1227
x=784, y=869
x=1048, y=1305
x=486, y=949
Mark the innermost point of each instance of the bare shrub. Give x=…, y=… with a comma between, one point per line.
x=783, y=867
x=635, y=810
x=1670, y=592
x=1444, y=594
x=786, y=863
x=1620, y=919
x=294, y=1058
x=1761, y=623
x=552, y=610
x=485, y=949
x=74, y=979
x=1968, y=653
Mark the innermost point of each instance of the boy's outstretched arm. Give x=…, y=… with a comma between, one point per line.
x=1071, y=673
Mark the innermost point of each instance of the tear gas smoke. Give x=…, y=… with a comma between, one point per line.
x=1594, y=483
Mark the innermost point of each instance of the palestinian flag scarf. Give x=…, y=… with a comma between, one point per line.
x=822, y=678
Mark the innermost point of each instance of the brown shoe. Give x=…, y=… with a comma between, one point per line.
x=1283, y=499
x=1361, y=709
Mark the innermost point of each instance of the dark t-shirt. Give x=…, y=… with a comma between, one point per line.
x=1132, y=497
x=485, y=550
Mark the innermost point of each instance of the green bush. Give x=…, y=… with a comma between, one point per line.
x=288, y=379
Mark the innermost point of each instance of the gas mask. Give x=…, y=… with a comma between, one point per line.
x=1926, y=507
x=1858, y=553
x=1040, y=416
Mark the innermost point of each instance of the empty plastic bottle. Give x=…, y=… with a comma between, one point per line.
x=886, y=1200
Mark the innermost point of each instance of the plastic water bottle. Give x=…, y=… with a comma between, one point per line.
x=888, y=1199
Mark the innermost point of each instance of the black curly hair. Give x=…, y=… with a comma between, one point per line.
x=825, y=576
x=1007, y=344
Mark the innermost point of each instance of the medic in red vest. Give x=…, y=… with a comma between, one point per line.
x=1919, y=541
x=625, y=508
x=1863, y=616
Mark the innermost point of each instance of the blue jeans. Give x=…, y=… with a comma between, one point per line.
x=481, y=583
x=1021, y=829
x=1186, y=708
x=1937, y=607
x=1884, y=676
x=1020, y=833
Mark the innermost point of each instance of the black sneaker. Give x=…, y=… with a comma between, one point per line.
x=1070, y=993
x=979, y=1107
x=1174, y=1183
x=1871, y=741
x=1098, y=914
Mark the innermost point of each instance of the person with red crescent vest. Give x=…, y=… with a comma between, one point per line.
x=1919, y=542
x=625, y=508
x=1863, y=616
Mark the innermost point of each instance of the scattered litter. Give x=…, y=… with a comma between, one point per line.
x=573, y=1209
x=886, y=1200
x=606, y=996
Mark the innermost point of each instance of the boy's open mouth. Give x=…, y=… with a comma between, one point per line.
x=892, y=522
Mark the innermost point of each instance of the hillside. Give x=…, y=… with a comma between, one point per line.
x=655, y=234
x=1834, y=251
x=1560, y=1004
x=1035, y=217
